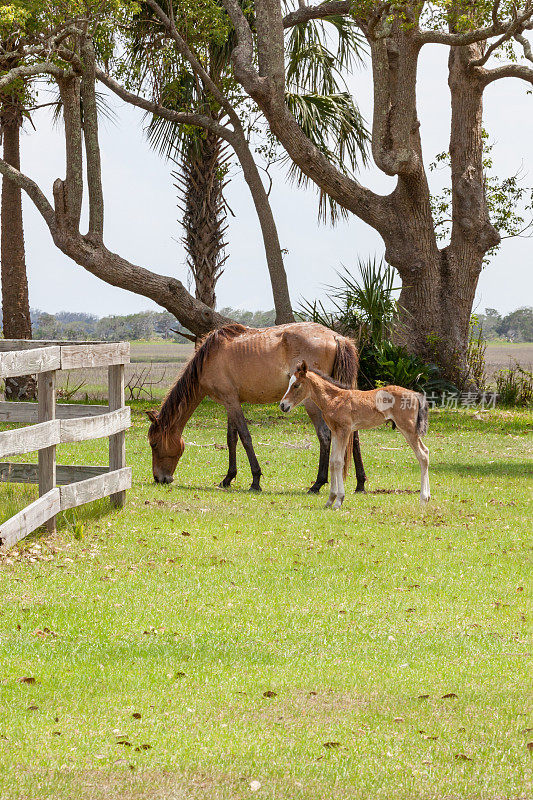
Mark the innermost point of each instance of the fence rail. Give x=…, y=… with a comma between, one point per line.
x=64, y=486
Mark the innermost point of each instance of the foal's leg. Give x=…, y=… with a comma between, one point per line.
x=339, y=444
x=332, y=486
x=232, y=437
x=422, y=453
x=358, y=461
x=324, y=437
x=239, y=421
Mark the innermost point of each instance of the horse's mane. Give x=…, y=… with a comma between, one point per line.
x=186, y=387
x=329, y=379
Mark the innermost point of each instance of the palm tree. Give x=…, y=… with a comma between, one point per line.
x=15, y=299
x=201, y=158
x=317, y=53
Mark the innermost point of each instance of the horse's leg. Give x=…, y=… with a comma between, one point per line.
x=232, y=437
x=246, y=439
x=358, y=461
x=324, y=437
x=422, y=453
x=339, y=444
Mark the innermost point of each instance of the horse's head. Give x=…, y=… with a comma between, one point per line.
x=298, y=389
x=167, y=449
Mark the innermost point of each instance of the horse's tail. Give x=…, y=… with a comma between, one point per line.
x=345, y=368
x=422, y=417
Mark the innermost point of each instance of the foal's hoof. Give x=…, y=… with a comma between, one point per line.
x=360, y=487
x=255, y=488
x=314, y=489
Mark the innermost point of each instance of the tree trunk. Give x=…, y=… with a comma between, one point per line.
x=439, y=293
x=204, y=215
x=15, y=300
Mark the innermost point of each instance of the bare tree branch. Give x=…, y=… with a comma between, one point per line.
x=180, y=117
x=92, y=147
x=111, y=268
x=30, y=71
x=516, y=26
x=306, y=13
x=68, y=194
x=33, y=191
x=526, y=45
x=521, y=71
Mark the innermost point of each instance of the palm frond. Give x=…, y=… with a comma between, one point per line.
x=102, y=105
x=319, y=51
x=335, y=126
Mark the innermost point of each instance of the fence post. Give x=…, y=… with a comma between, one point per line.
x=46, y=410
x=117, y=442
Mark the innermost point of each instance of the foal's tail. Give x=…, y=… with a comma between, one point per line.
x=345, y=368
x=422, y=418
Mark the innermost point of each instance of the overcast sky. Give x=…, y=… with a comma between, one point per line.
x=141, y=221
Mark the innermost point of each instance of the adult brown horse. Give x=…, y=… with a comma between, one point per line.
x=235, y=365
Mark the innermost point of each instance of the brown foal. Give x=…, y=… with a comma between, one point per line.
x=348, y=410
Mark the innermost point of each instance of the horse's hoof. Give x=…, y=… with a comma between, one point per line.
x=255, y=488
x=314, y=489
x=360, y=487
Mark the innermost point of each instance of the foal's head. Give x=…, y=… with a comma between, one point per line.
x=298, y=388
x=167, y=449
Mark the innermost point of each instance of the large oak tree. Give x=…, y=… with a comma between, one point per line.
x=439, y=283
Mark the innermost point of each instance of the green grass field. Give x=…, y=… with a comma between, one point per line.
x=211, y=644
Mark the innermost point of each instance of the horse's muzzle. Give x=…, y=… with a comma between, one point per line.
x=163, y=479
x=284, y=406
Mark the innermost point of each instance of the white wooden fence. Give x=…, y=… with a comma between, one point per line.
x=62, y=487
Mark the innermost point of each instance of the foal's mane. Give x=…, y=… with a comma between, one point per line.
x=329, y=379
x=186, y=387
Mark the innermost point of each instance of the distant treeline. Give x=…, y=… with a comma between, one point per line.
x=77, y=326
x=514, y=327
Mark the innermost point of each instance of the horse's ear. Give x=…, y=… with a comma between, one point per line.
x=152, y=416
x=303, y=367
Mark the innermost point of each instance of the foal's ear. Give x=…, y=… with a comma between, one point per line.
x=302, y=368
x=152, y=416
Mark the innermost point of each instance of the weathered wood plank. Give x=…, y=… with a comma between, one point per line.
x=46, y=410
x=29, y=344
x=27, y=412
x=80, y=430
x=29, y=362
x=26, y=440
x=117, y=443
x=76, y=356
x=75, y=494
x=30, y=518
x=65, y=473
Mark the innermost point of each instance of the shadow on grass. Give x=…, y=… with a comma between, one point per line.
x=511, y=469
